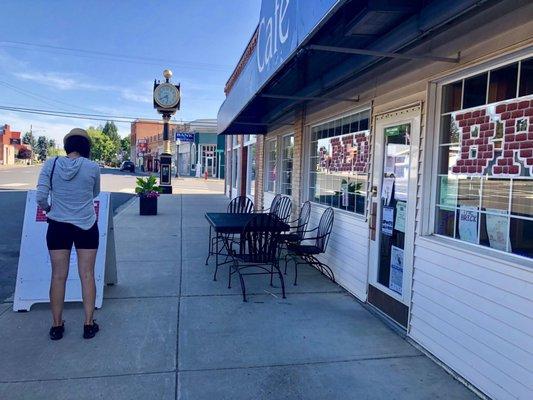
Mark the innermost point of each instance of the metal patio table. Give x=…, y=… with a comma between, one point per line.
x=233, y=224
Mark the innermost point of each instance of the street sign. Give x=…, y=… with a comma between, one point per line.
x=34, y=268
x=184, y=137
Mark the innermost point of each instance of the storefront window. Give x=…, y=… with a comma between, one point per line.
x=287, y=146
x=234, y=167
x=271, y=164
x=251, y=170
x=485, y=172
x=339, y=163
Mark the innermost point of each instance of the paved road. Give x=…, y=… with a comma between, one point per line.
x=13, y=186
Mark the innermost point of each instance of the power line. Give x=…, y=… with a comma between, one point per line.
x=65, y=114
x=111, y=56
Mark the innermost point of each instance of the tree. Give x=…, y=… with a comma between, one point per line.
x=125, y=147
x=52, y=150
x=102, y=147
x=28, y=138
x=111, y=131
x=41, y=147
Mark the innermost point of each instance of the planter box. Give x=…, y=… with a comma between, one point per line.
x=148, y=206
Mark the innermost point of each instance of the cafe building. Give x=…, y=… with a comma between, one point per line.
x=414, y=121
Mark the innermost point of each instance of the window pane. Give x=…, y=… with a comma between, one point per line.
x=338, y=165
x=494, y=231
x=363, y=123
x=448, y=156
x=468, y=192
x=448, y=188
x=451, y=97
x=522, y=201
x=450, y=132
x=521, y=236
x=503, y=83
x=496, y=195
x=286, y=164
x=526, y=77
x=271, y=164
x=445, y=221
x=475, y=93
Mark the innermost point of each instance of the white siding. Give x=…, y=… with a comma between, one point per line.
x=347, y=251
x=475, y=313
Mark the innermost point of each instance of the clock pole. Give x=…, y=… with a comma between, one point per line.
x=166, y=109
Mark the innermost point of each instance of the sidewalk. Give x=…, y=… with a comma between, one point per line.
x=170, y=332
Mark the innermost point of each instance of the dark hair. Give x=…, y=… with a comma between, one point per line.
x=78, y=143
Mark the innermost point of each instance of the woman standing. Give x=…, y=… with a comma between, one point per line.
x=72, y=182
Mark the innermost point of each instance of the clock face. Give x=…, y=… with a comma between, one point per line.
x=166, y=95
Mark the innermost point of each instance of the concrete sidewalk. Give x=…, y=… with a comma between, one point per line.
x=170, y=332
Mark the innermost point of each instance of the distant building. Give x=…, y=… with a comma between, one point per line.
x=192, y=144
x=10, y=144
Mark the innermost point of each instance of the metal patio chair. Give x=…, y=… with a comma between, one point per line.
x=283, y=208
x=238, y=205
x=308, y=252
x=274, y=205
x=298, y=229
x=258, y=250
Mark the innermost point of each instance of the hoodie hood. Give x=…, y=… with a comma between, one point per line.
x=68, y=168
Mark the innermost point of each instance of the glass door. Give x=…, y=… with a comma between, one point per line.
x=393, y=212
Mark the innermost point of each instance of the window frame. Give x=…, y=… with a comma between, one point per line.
x=307, y=159
x=429, y=207
x=275, y=140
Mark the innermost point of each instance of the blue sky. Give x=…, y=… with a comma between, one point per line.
x=200, y=40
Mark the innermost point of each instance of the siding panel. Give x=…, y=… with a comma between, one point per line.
x=347, y=251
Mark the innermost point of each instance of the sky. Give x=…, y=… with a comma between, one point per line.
x=101, y=57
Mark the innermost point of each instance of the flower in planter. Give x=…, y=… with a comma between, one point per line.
x=146, y=187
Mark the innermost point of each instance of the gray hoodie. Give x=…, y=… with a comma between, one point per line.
x=76, y=182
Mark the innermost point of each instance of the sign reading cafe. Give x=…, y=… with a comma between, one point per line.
x=273, y=32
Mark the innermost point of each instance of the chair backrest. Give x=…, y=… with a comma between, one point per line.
x=241, y=205
x=303, y=219
x=324, y=229
x=275, y=203
x=259, y=239
x=284, y=208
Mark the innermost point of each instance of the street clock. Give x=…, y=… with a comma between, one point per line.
x=166, y=95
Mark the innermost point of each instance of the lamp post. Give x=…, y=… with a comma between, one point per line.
x=166, y=102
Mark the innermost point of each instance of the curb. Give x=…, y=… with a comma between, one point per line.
x=124, y=207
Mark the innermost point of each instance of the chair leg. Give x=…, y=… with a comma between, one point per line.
x=296, y=272
x=281, y=280
x=229, y=277
x=243, y=287
x=210, y=247
x=216, y=262
x=271, y=275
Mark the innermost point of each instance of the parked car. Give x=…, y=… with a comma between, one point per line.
x=127, y=166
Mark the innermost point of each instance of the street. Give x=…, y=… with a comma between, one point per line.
x=14, y=182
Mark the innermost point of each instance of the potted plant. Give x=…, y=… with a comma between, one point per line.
x=148, y=192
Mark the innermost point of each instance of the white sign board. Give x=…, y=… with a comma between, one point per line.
x=34, y=268
x=396, y=269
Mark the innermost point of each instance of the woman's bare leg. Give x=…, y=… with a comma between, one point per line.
x=60, y=265
x=86, y=260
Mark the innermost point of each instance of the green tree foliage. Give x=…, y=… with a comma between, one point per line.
x=28, y=138
x=125, y=147
x=103, y=149
x=41, y=147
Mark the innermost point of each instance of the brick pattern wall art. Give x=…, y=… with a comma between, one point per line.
x=496, y=140
x=348, y=153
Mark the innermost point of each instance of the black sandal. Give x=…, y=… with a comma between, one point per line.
x=56, y=332
x=89, y=331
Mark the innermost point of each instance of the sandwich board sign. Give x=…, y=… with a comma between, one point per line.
x=34, y=267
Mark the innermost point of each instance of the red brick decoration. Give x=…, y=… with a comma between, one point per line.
x=40, y=215
x=349, y=153
x=487, y=149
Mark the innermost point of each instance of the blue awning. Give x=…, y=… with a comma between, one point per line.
x=283, y=69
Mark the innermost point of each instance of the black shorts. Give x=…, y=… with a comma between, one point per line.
x=61, y=236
